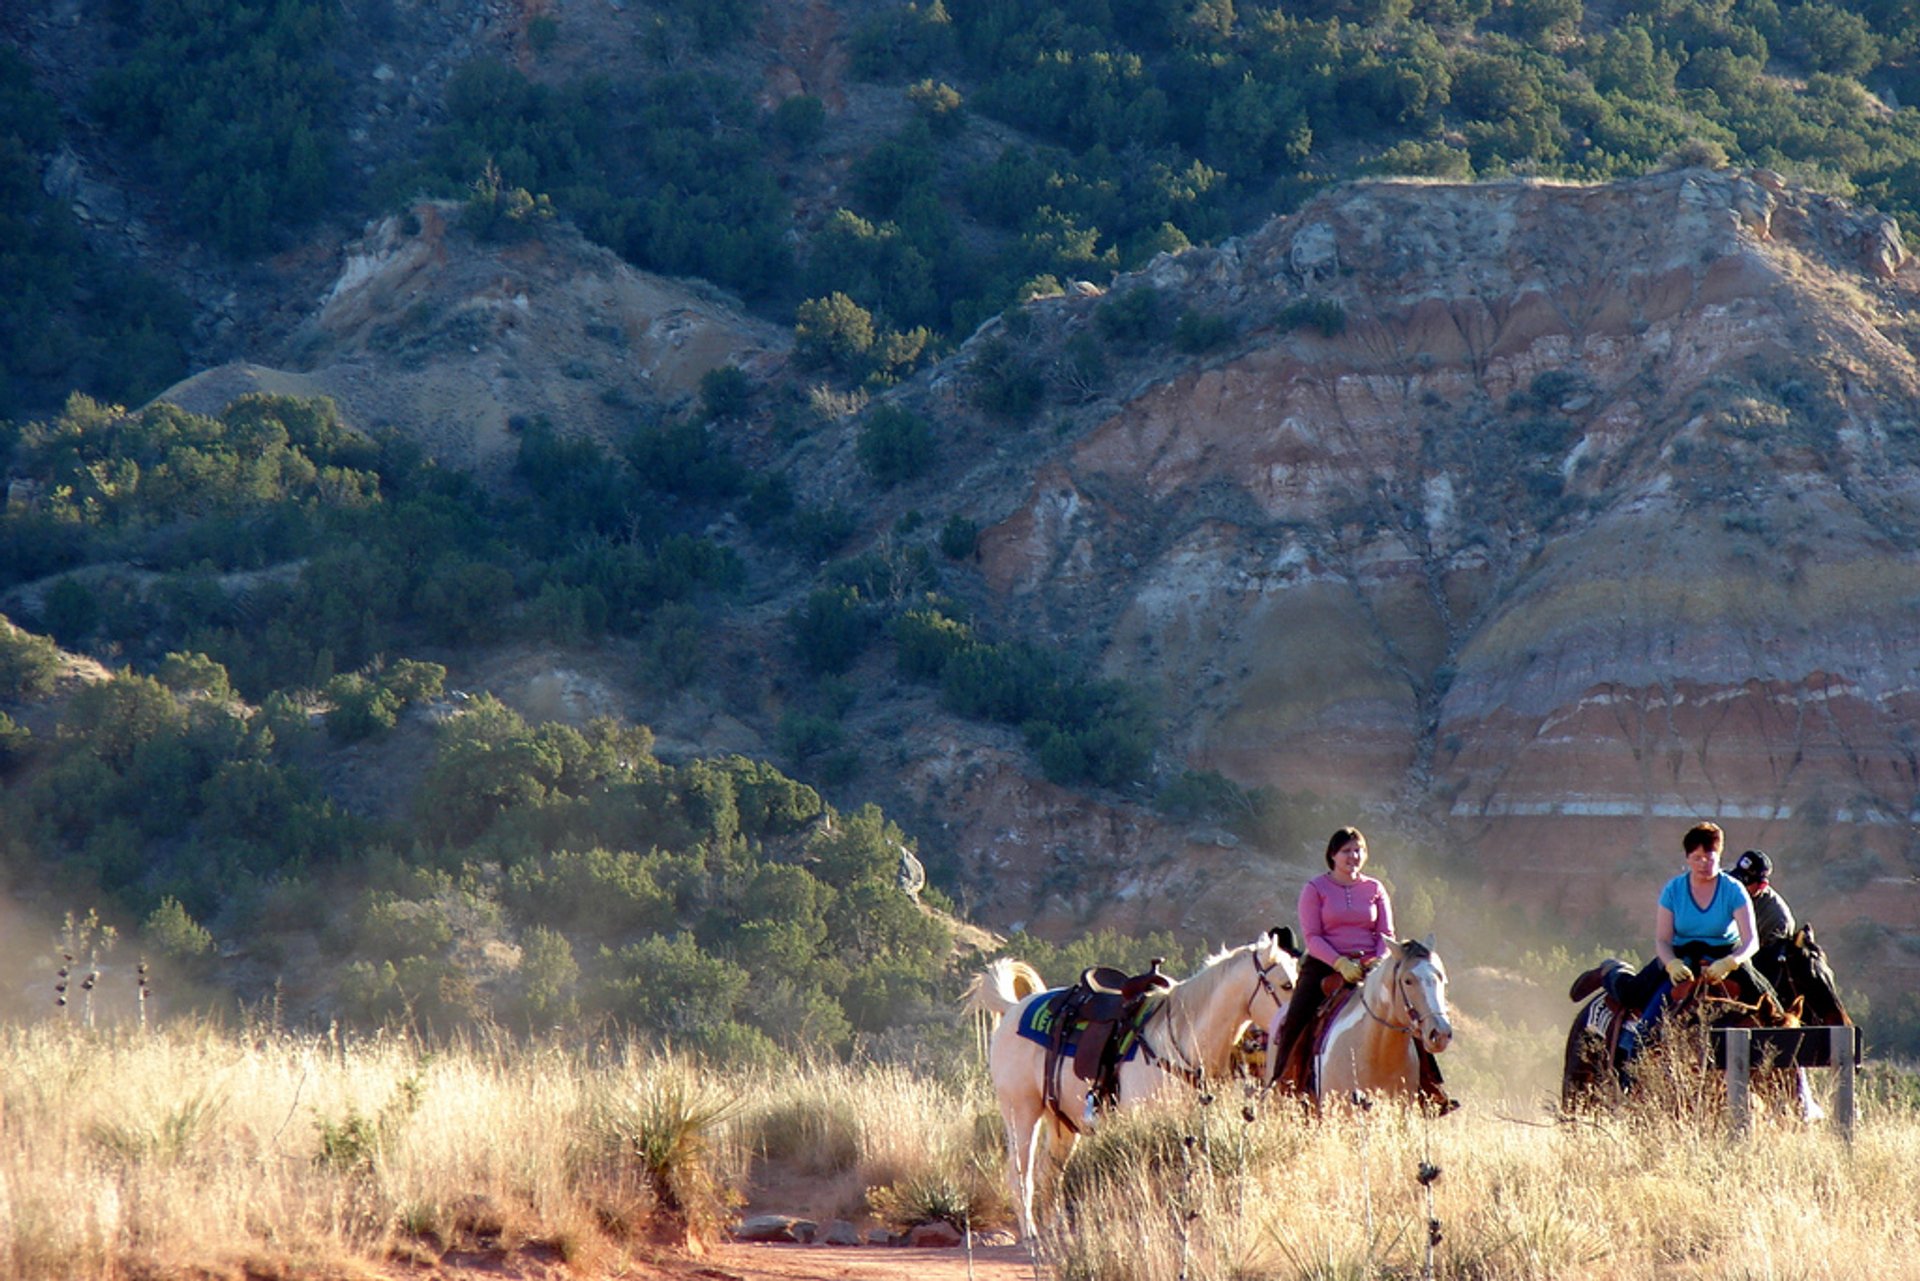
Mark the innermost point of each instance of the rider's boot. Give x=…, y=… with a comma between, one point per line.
x=1595, y=979
x=1433, y=1091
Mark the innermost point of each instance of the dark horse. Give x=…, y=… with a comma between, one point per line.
x=1598, y=1068
x=1798, y=970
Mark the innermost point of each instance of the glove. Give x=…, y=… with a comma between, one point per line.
x=1349, y=969
x=1677, y=972
x=1718, y=971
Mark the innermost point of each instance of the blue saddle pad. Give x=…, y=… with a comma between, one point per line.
x=1038, y=1020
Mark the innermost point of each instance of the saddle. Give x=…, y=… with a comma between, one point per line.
x=1623, y=1030
x=1295, y=1075
x=1094, y=1026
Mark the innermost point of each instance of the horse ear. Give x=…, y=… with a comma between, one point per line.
x=1428, y=943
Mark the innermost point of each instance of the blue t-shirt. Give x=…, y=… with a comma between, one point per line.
x=1713, y=924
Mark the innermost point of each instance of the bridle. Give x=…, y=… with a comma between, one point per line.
x=1416, y=1024
x=1266, y=984
x=1181, y=1066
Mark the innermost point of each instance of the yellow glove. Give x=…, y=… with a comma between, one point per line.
x=1678, y=972
x=1718, y=971
x=1349, y=969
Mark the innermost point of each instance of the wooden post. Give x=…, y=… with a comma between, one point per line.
x=1843, y=1106
x=1739, y=1063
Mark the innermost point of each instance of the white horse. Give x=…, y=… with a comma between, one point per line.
x=1371, y=1045
x=1189, y=1036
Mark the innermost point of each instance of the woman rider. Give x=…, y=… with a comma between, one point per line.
x=1703, y=924
x=1346, y=920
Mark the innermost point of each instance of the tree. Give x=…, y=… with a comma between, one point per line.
x=831, y=629
x=800, y=120
x=834, y=330
x=29, y=664
x=174, y=933
x=895, y=445
x=725, y=392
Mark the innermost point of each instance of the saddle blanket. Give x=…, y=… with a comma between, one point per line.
x=1323, y=1021
x=1037, y=1024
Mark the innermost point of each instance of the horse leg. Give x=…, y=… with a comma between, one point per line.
x=1023, y=1136
x=1810, y=1110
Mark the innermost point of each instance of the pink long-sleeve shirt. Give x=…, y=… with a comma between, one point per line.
x=1345, y=920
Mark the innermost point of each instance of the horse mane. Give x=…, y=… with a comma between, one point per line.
x=1216, y=964
x=1212, y=970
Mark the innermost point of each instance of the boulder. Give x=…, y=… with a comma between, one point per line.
x=774, y=1227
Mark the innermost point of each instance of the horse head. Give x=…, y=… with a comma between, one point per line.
x=1805, y=974
x=1276, y=967
x=1413, y=983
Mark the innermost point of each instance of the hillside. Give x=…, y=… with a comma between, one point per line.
x=1521, y=521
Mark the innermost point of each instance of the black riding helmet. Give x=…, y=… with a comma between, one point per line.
x=1753, y=867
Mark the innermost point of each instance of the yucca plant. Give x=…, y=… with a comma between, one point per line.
x=665, y=1128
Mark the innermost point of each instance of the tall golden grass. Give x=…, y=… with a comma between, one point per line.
x=191, y=1147
x=196, y=1149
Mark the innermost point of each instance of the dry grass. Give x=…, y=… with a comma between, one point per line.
x=1632, y=1195
x=193, y=1149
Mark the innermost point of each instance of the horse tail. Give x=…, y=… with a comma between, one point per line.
x=1000, y=987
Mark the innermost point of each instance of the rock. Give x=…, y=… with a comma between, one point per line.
x=1315, y=254
x=774, y=1227
x=840, y=1232
x=936, y=1235
x=1882, y=252
x=879, y=1236
x=911, y=876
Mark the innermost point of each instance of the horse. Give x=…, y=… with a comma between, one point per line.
x=1797, y=967
x=1371, y=1045
x=1598, y=1067
x=1189, y=1035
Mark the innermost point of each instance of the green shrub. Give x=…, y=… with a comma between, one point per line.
x=1129, y=317
x=799, y=120
x=174, y=933
x=834, y=330
x=1196, y=332
x=895, y=445
x=725, y=392
x=1005, y=382
x=830, y=629
x=1324, y=314
x=959, y=537
x=16, y=741
x=926, y=639
x=667, y=1128
x=29, y=664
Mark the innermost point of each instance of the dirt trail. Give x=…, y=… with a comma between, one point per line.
x=741, y=1262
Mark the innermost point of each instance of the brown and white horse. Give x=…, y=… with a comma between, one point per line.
x=1189, y=1037
x=1371, y=1045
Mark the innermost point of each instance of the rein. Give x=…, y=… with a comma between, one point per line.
x=1415, y=1020
x=1182, y=1067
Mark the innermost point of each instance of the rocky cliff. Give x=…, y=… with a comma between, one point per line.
x=1582, y=513
x=1521, y=523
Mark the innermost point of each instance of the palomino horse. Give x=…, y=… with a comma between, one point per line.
x=1371, y=1044
x=1189, y=1036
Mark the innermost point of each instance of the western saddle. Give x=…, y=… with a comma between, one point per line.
x=1105, y=1009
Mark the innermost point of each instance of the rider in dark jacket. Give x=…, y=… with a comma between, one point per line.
x=1772, y=919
